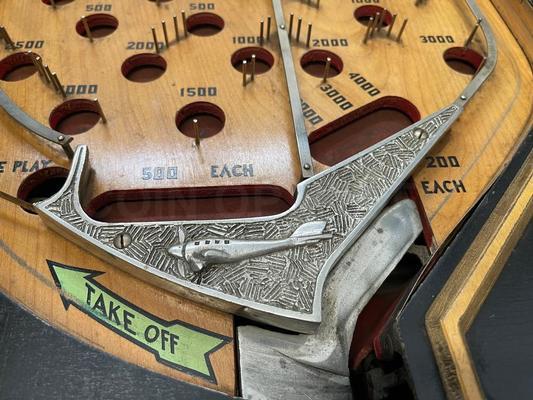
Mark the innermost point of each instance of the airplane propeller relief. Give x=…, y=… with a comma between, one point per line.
x=203, y=253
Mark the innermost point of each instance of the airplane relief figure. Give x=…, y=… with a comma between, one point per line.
x=200, y=254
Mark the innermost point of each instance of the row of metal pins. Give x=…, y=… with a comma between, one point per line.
x=262, y=35
x=6, y=38
x=299, y=30
x=376, y=23
x=245, y=70
x=165, y=31
x=49, y=76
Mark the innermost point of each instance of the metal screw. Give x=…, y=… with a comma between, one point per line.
x=282, y=27
x=122, y=240
x=61, y=138
x=307, y=166
x=420, y=133
x=463, y=97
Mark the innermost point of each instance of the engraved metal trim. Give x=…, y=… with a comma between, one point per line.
x=283, y=288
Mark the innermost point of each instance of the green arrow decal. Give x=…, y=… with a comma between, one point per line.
x=174, y=343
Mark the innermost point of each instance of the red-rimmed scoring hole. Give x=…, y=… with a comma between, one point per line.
x=314, y=63
x=364, y=13
x=57, y=2
x=74, y=116
x=361, y=129
x=264, y=60
x=100, y=25
x=144, y=67
x=204, y=203
x=204, y=24
x=463, y=60
x=42, y=184
x=17, y=67
x=210, y=117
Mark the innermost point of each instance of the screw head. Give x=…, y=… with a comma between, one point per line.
x=463, y=97
x=122, y=240
x=420, y=133
x=61, y=138
x=282, y=27
x=307, y=166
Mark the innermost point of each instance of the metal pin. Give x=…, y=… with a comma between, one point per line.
x=261, y=32
x=15, y=200
x=7, y=39
x=298, y=29
x=253, y=67
x=244, y=72
x=472, y=34
x=154, y=35
x=196, y=132
x=53, y=3
x=100, y=111
x=165, y=33
x=184, y=20
x=326, y=70
x=269, y=23
x=87, y=28
x=158, y=2
x=49, y=76
x=368, y=29
x=375, y=24
x=317, y=3
x=392, y=24
x=291, y=23
x=382, y=20
x=309, y=30
x=36, y=63
x=58, y=85
x=399, y=38
x=40, y=66
x=176, y=30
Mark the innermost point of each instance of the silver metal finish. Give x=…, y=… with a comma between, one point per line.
x=283, y=288
x=35, y=127
x=302, y=141
x=203, y=253
x=276, y=366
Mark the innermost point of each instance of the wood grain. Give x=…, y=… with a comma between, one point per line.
x=141, y=131
x=456, y=306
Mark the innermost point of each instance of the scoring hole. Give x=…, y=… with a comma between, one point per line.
x=463, y=60
x=144, y=67
x=264, y=60
x=100, y=25
x=57, y=2
x=17, y=67
x=205, y=24
x=210, y=117
x=42, y=184
x=74, y=116
x=361, y=128
x=314, y=63
x=362, y=14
